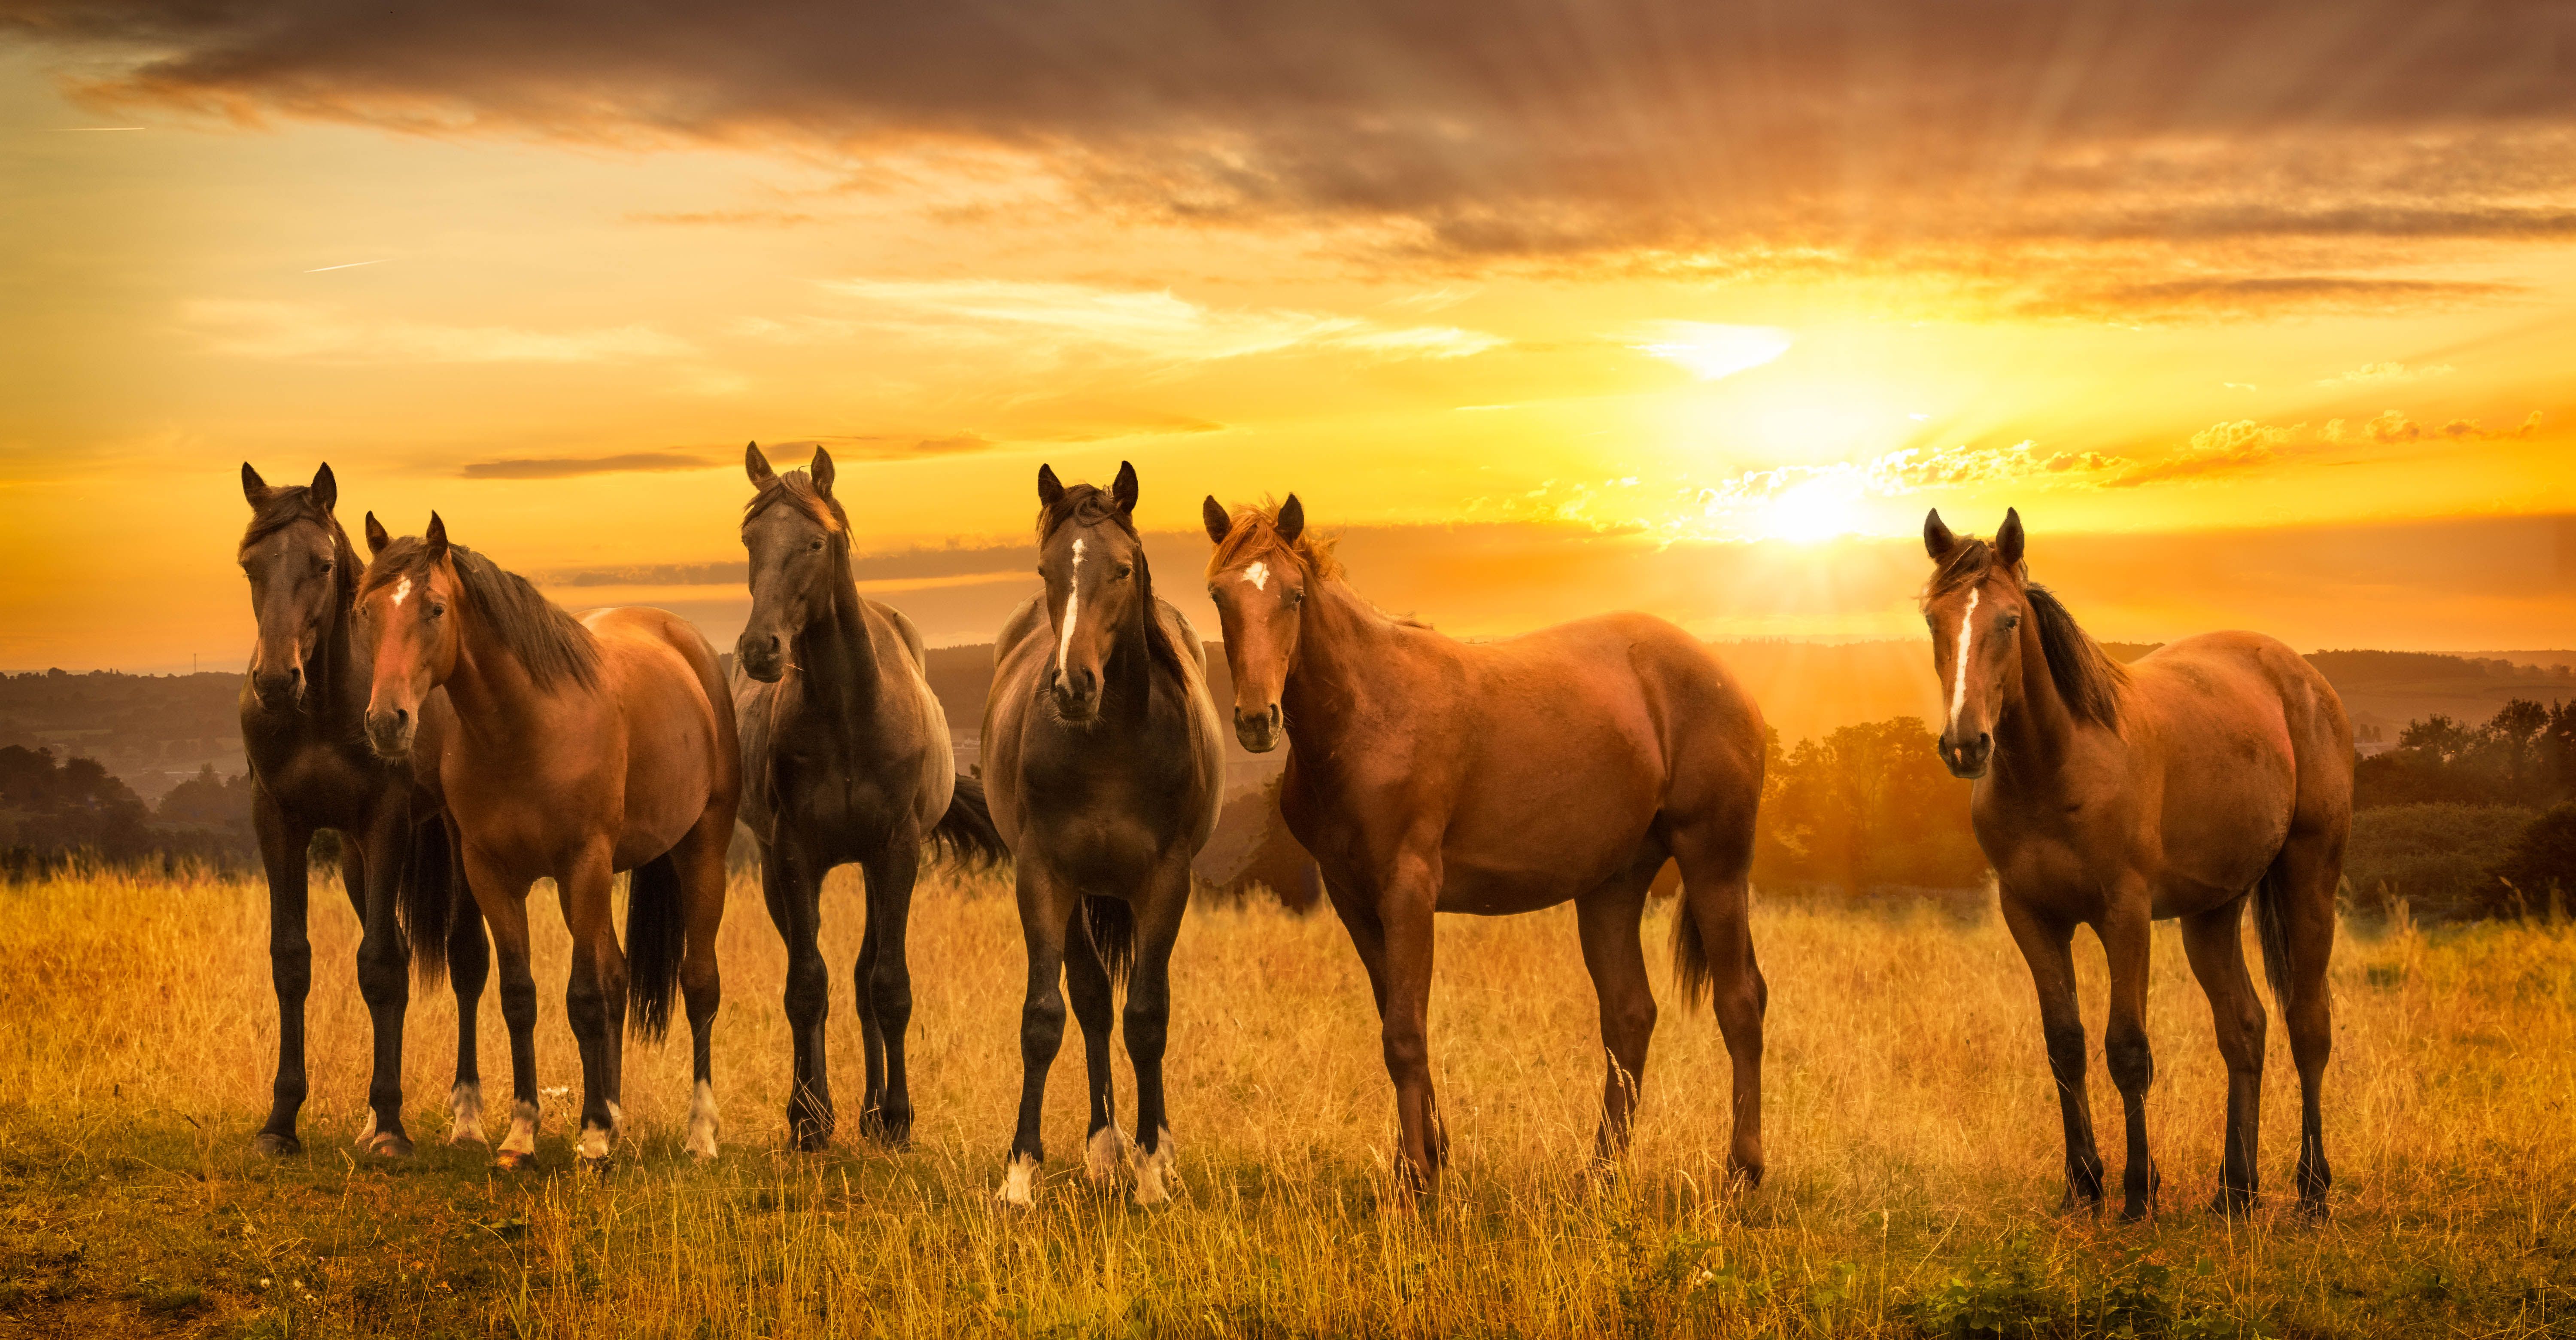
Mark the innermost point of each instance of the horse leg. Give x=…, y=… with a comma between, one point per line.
x=885, y=984
x=1149, y=1019
x=792, y=886
x=2125, y=938
x=282, y=847
x=1404, y=1021
x=2304, y=877
x=1607, y=919
x=1086, y=983
x=505, y=909
x=2214, y=941
x=1718, y=900
x=384, y=969
x=2046, y=946
x=1046, y=910
x=469, y=964
x=699, y=860
x=595, y=996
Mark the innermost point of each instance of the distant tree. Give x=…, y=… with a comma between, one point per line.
x=1869, y=806
x=209, y=816
x=2524, y=755
x=50, y=809
x=2544, y=857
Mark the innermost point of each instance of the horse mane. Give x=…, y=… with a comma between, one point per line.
x=1255, y=534
x=284, y=505
x=1084, y=504
x=2087, y=679
x=552, y=644
x=797, y=487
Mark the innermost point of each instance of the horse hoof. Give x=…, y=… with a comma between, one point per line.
x=598, y=1167
x=1102, y=1154
x=512, y=1160
x=1020, y=1184
x=2230, y=1204
x=2135, y=1212
x=2315, y=1208
x=389, y=1145
x=276, y=1146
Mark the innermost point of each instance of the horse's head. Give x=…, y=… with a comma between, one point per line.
x=407, y=613
x=1258, y=579
x=1975, y=604
x=1094, y=568
x=296, y=558
x=798, y=539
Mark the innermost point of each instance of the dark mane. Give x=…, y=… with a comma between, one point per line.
x=553, y=645
x=1086, y=505
x=2087, y=679
x=797, y=487
x=285, y=505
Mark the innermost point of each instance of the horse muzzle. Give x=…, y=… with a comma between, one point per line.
x=1967, y=762
x=389, y=732
x=1076, y=694
x=762, y=658
x=1257, y=731
x=278, y=690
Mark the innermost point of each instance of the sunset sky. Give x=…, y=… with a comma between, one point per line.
x=2261, y=314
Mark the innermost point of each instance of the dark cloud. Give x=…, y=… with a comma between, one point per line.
x=1474, y=134
x=566, y=467
x=2254, y=296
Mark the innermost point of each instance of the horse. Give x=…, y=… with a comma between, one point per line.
x=845, y=757
x=1105, y=771
x=567, y=749
x=1429, y=775
x=302, y=705
x=2215, y=767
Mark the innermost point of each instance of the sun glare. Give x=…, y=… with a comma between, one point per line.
x=1714, y=351
x=1819, y=509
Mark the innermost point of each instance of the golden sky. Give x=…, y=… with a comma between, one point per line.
x=2259, y=313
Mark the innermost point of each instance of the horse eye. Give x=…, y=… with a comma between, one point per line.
x=816, y=546
x=1296, y=598
x=1126, y=570
x=437, y=610
x=2011, y=621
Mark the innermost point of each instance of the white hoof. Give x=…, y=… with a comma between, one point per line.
x=1152, y=1167
x=701, y=1143
x=595, y=1143
x=1020, y=1182
x=367, y=1136
x=1101, y=1157
x=522, y=1139
x=465, y=1114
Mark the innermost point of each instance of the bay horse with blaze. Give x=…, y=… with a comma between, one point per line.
x=1105, y=770
x=566, y=749
x=303, y=706
x=2214, y=771
x=845, y=757
x=1565, y=765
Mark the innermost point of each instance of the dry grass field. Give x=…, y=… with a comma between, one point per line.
x=1912, y=1138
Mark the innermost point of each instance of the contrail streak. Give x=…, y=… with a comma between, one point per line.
x=350, y=266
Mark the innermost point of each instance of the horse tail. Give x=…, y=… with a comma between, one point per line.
x=965, y=834
x=656, y=931
x=1690, y=956
x=1111, y=924
x=2272, y=927
x=426, y=899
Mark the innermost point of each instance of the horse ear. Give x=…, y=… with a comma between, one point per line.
x=1123, y=489
x=252, y=484
x=436, y=538
x=326, y=490
x=1050, y=488
x=377, y=539
x=1292, y=519
x=821, y=470
x=1937, y=539
x=2008, y=539
x=1218, y=523
x=757, y=466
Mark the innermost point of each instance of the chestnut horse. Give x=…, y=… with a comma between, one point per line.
x=302, y=710
x=565, y=749
x=2111, y=796
x=1564, y=765
x=1105, y=769
x=845, y=757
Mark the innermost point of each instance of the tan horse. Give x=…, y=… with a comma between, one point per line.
x=570, y=750
x=2112, y=797
x=1563, y=766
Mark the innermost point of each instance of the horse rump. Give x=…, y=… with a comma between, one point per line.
x=965, y=834
x=656, y=934
x=1111, y=924
x=426, y=899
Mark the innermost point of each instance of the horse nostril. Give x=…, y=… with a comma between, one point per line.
x=402, y=716
x=1274, y=714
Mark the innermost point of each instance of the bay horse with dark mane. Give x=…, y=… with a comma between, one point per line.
x=566, y=749
x=2216, y=767
x=1105, y=769
x=303, y=706
x=845, y=757
x=1564, y=765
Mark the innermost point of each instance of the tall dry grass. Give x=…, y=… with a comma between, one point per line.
x=1911, y=1129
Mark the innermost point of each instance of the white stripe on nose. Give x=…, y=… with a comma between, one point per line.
x=1072, y=609
x=1959, y=686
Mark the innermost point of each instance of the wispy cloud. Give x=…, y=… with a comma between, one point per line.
x=2382, y=374
x=1712, y=351
x=568, y=467
x=1156, y=325
x=305, y=332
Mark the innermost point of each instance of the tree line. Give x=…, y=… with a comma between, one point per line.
x=53, y=810
x=2466, y=821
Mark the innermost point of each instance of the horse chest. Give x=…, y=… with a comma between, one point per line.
x=326, y=784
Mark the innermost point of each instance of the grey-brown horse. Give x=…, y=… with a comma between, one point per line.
x=845, y=757
x=2217, y=767
x=1104, y=767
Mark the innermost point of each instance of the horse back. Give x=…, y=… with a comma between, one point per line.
x=682, y=759
x=2245, y=741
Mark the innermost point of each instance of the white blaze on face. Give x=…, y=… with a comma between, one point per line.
x=401, y=590
x=1959, y=681
x=1072, y=607
x=1258, y=574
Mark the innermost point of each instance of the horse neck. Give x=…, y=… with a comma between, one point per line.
x=495, y=698
x=1338, y=664
x=1127, y=680
x=337, y=670
x=2035, y=730
x=836, y=653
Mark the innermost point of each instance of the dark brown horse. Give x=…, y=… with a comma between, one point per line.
x=1104, y=765
x=2113, y=796
x=565, y=749
x=302, y=715
x=845, y=757
x=1435, y=776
